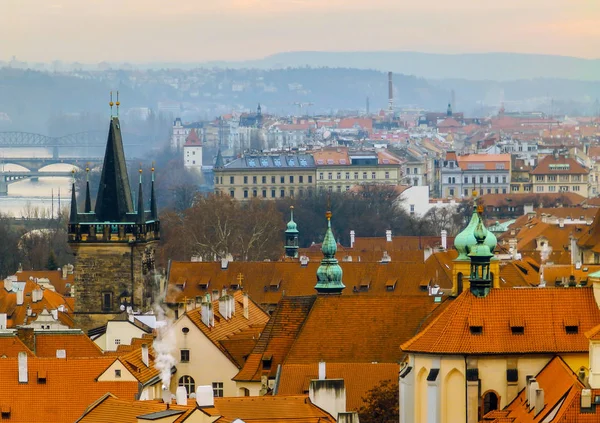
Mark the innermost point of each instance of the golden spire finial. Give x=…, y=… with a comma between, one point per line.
x=328, y=215
x=110, y=103
x=118, y=103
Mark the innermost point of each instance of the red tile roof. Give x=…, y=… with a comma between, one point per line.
x=544, y=166
x=342, y=329
x=70, y=386
x=359, y=378
x=488, y=161
x=192, y=139
x=234, y=336
x=76, y=345
x=54, y=276
x=11, y=346
x=545, y=312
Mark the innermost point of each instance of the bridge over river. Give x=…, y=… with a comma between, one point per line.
x=9, y=177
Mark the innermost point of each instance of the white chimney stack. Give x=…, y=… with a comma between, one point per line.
x=322, y=370
x=181, y=395
x=23, y=367
x=204, y=396
x=246, y=308
x=145, y=355
x=388, y=235
x=561, y=222
x=352, y=238
x=64, y=272
x=8, y=284
x=20, y=297
x=2, y=321
x=54, y=314
x=539, y=401
x=166, y=395
x=533, y=388
x=444, y=239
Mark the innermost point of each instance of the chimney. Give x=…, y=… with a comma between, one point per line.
x=54, y=314
x=352, y=238
x=388, y=235
x=181, y=395
x=561, y=222
x=444, y=239
x=303, y=261
x=207, y=311
x=322, y=370
x=29, y=311
x=224, y=263
x=23, y=367
x=586, y=398
x=532, y=389
x=328, y=394
x=20, y=297
x=204, y=396
x=166, y=395
x=2, y=321
x=215, y=294
x=8, y=284
x=539, y=401
x=224, y=307
x=145, y=355
x=512, y=246
x=245, y=303
x=64, y=272
x=231, y=305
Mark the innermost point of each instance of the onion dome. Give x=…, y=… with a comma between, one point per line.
x=466, y=239
x=329, y=274
x=292, y=227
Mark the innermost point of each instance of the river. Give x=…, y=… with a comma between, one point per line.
x=26, y=198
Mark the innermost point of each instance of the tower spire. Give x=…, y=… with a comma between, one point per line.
x=153, y=208
x=141, y=218
x=73, y=218
x=329, y=274
x=88, y=200
x=219, y=163
x=114, y=194
x=291, y=236
x=480, y=278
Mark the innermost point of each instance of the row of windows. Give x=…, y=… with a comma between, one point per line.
x=272, y=193
x=482, y=179
x=415, y=171
x=356, y=174
x=263, y=179
x=466, y=192
x=561, y=178
x=553, y=188
x=189, y=384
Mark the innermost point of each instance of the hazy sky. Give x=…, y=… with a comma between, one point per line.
x=199, y=30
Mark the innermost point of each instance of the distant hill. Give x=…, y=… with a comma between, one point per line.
x=483, y=66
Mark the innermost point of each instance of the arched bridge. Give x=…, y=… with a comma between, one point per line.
x=13, y=139
x=8, y=177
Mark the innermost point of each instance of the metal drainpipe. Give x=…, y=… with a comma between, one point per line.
x=132, y=243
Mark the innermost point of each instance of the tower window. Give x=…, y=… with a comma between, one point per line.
x=107, y=299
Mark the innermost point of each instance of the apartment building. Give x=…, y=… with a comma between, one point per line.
x=557, y=173
x=339, y=169
x=268, y=176
x=484, y=173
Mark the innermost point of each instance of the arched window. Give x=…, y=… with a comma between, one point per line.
x=459, y=283
x=188, y=383
x=490, y=402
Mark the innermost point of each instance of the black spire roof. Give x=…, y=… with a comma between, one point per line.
x=74, y=217
x=114, y=195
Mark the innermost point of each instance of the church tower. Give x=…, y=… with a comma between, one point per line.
x=291, y=237
x=329, y=273
x=464, y=243
x=114, y=244
x=480, y=279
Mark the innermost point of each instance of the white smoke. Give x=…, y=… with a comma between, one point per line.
x=545, y=252
x=165, y=343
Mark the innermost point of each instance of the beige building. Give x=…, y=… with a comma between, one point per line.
x=556, y=173
x=339, y=169
x=266, y=176
x=213, y=339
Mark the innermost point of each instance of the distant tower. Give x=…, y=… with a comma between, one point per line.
x=449, y=110
x=114, y=244
x=329, y=274
x=291, y=237
x=390, y=95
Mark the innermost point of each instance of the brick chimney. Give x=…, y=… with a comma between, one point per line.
x=145, y=355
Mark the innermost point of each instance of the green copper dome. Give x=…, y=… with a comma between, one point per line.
x=491, y=241
x=466, y=239
x=329, y=274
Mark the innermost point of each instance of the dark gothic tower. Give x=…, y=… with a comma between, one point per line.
x=113, y=244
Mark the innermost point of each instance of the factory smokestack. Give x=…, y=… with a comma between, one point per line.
x=390, y=95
